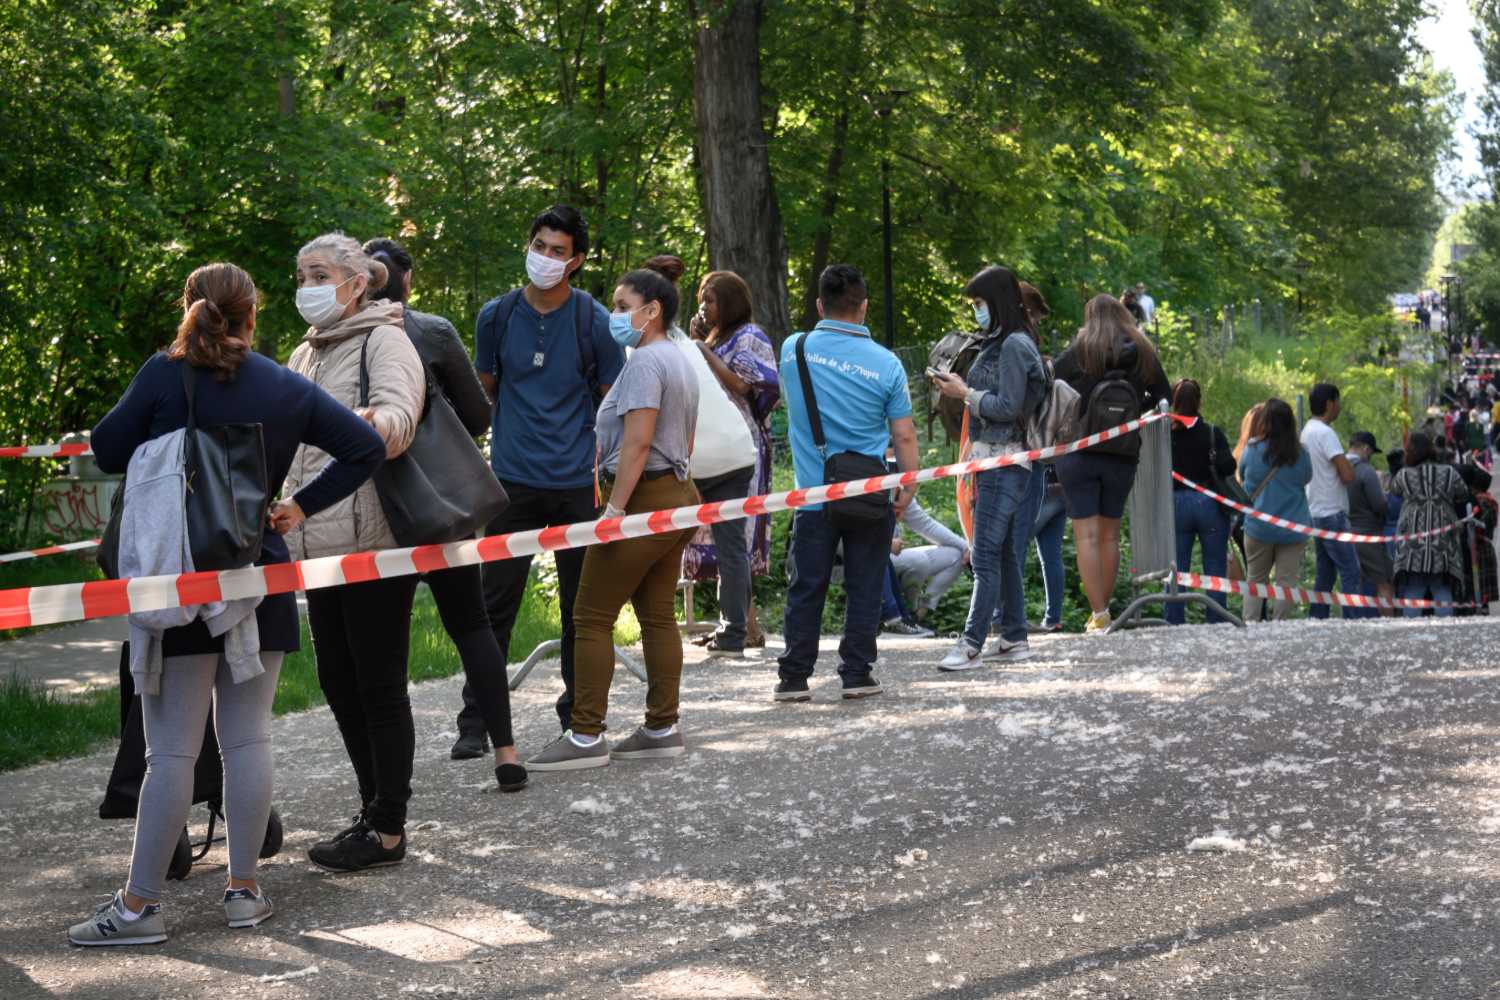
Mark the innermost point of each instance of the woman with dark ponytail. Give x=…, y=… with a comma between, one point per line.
x=215, y=337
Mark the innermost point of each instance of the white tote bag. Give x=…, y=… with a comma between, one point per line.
x=723, y=442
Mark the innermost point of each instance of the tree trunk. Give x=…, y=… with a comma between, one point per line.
x=823, y=238
x=744, y=223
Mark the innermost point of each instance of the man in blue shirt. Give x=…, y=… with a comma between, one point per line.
x=862, y=398
x=545, y=356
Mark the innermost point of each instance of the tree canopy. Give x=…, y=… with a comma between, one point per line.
x=1217, y=149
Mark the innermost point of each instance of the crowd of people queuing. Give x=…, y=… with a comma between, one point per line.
x=593, y=410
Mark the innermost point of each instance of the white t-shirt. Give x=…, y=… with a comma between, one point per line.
x=1326, y=495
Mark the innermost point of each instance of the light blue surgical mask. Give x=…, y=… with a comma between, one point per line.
x=982, y=317
x=624, y=332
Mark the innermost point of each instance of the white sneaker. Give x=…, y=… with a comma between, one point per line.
x=962, y=656
x=1010, y=652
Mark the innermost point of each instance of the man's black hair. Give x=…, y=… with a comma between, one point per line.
x=841, y=289
x=397, y=263
x=564, y=219
x=1321, y=395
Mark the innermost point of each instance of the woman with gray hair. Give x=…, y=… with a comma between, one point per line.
x=361, y=631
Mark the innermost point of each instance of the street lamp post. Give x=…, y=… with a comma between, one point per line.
x=1448, y=281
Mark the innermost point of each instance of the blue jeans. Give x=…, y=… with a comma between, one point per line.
x=809, y=565
x=998, y=534
x=891, y=604
x=1051, y=525
x=1338, y=557
x=1415, y=587
x=1016, y=547
x=1200, y=518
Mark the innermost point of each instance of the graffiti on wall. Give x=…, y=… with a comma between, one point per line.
x=76, y=509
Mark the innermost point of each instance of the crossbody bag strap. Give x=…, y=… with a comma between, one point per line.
x=810, y=397
x=1264, y=483
x=364, y=373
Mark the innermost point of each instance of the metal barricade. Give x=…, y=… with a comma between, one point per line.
x=1153, y=534
x=551, y=647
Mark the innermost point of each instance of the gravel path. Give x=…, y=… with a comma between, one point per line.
x=1298, y=811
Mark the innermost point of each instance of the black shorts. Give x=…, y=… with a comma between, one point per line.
x=1095, y=485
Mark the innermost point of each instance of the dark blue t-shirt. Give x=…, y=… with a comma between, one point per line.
x=543, y=430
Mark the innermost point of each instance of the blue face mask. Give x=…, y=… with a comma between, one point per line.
x=982, y=317
x=620, y=328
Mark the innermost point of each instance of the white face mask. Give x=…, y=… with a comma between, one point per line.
x=320, y=305
x=545, y=272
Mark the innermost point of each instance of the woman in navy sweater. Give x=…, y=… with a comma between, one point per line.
x=217, y=330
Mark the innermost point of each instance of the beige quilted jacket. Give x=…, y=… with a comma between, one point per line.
x=330, y=358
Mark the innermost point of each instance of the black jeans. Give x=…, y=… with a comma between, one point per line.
x=505, y=580
x=809, y=566
x=459, y=596
x=361, y=634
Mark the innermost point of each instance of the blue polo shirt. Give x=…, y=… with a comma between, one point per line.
x=861, y=388
x=542, y=434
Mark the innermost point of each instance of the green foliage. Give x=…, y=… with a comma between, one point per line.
x=37, y=725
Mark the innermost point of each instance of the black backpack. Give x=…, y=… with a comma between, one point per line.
x=495, y=314
x=1111, y=402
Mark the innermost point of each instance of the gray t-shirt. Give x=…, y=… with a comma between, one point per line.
x=657, y=377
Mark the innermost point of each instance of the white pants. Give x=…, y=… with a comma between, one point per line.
x=928, y=569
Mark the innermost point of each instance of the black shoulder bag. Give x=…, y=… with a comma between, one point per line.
x=852, y=512
x=440, y=489
x=228, y=492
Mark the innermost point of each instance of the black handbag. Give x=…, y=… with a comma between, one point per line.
x=440, y=489
x=845, y=466
x=228, y=493
x=1226, y=486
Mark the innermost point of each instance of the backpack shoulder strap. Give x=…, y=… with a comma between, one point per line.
x=810, y=397
x=583, y=328
x=500, y=315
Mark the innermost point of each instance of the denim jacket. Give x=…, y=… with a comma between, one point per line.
x=1006, y=382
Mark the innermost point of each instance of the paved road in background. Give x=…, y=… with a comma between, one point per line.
x=1298, y=811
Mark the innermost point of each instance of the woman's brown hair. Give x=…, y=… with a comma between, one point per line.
x=667, y=265
x=1187, y=399
x=732, y=295
x=1105, y=324
x=218, y=305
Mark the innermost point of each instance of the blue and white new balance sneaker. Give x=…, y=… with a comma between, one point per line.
x=109, y=926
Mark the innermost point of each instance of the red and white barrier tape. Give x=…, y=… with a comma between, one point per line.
x=47, y=450
x=27, y=606
x=1298, y=595
x=49, y=550
x=1303, y=529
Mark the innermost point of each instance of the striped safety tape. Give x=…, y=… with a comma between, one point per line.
x=27, y=606
x=1298, y=595
x=49, y=550
x=47, y=450
x=1303, y=529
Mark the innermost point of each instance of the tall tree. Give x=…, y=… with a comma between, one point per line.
x=743, y=219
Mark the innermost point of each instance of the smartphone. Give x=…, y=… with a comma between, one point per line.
x=934, y=373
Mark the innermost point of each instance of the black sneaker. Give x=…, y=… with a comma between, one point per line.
x=357, y=851
x=794, y=690
x=900, y=626
x=356, y=825
x=861, y=687
x=469, y=746
x=1044, y=629
x=511, y=777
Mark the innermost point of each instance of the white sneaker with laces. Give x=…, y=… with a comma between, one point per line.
x=962, y=656
x=1009, y=652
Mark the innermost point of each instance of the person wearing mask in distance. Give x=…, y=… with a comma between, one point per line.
x=545, y=356
x=458, y=592
x=646, y=427
x=362, y=631
x=862, y=398
x=1005, y=383
x=1328, y=498
x=234, y=385
x=1199, y=449
x=1367, y=510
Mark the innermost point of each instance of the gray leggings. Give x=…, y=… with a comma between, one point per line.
x=174, y=735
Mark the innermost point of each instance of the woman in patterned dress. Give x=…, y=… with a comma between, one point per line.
x=1428, y=490
x=742, y=357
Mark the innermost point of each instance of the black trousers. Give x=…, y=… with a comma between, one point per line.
x=361, y=634
x=505, y=581
x=459, y=596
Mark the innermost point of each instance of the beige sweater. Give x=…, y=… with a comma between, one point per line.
x=330, y=359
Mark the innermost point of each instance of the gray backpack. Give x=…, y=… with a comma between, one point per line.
x=1055, y=420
